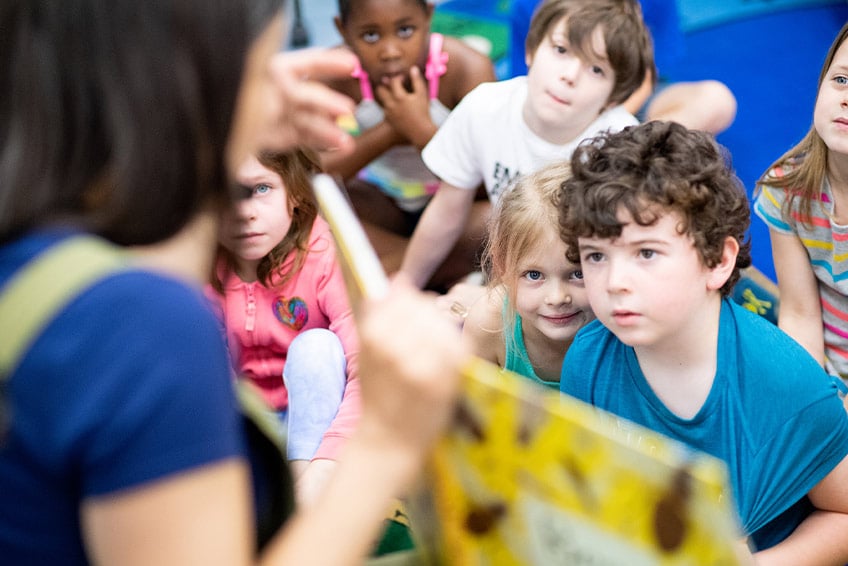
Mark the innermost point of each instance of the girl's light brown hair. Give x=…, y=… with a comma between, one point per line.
x=804, y=167
x=525, y=214
x=296, y=169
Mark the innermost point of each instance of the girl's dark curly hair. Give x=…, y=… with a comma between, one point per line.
x=657, y=165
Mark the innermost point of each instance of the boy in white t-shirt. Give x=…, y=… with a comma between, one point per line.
x=585, y=57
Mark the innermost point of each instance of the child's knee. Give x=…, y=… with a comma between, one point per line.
x=316, y=342
x=316, y=351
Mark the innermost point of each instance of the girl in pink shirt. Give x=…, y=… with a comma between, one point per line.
x=284, y=304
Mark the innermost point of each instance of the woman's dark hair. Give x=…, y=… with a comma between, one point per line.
x=651, y=169
x=115, y=114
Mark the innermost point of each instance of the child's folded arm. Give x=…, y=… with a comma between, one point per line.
x=440, y=226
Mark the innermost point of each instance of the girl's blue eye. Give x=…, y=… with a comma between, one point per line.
x=577, y=274
x=262, y=189
x=647, y=254
x=533, y=275
x=841, y=80
x=594, y=257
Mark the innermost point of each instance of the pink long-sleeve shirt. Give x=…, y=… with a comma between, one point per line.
x=262, y=321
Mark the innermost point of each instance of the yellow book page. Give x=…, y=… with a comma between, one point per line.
x=529, y=476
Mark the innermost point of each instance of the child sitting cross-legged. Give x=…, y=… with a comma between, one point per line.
x=289, y=324
x=657, y=220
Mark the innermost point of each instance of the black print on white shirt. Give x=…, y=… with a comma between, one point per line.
x=503, y=178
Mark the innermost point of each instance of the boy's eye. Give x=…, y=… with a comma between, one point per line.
x=647, y=254
x=560, y=49
x=533, y=275
x=405, y=32
x=576, y=275
x=370, y=37
x=593, y=257
x=261, y=189
x=598, y=70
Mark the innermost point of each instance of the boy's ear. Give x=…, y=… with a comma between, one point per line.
x=528, y=59
x=723, y=270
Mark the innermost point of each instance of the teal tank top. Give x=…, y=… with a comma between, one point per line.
x=516, y=358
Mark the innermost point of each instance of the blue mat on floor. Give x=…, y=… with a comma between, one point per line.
x=771, y=62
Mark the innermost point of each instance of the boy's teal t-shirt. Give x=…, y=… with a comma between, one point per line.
x=773, y=414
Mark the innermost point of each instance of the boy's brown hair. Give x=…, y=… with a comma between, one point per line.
x=628, y=41
x=651, y=169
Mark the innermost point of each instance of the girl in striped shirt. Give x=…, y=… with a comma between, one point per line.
x=803, y=198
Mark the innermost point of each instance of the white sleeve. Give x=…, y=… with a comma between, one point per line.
x=451, y=154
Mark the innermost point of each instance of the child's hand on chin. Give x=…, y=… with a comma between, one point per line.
x=408, y=110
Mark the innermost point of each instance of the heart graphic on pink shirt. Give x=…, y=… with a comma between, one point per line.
x=292, y=312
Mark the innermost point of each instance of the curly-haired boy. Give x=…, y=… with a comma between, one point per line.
x=657, y=220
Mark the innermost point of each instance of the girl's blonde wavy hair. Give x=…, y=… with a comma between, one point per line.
x=526, y=213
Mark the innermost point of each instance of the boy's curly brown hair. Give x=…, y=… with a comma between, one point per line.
x=651, y=169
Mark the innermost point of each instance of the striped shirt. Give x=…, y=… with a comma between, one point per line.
x=827, y=245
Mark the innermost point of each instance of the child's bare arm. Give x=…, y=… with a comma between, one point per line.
x=800, y=309
x=636, y=100
x=409, y=111
x=823, y=536
x=438, y=230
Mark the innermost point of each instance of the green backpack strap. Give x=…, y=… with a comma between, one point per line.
x=39, y=291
